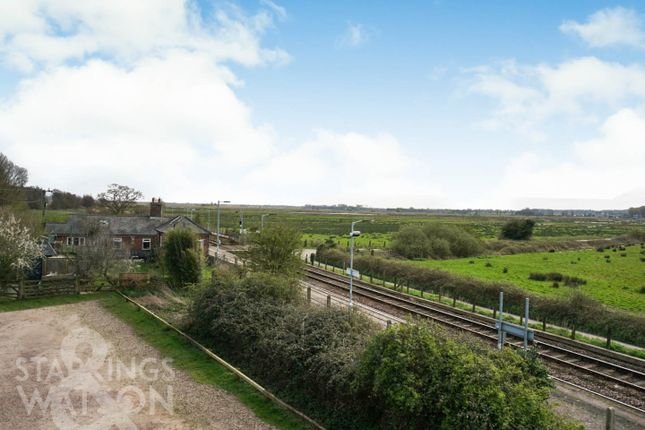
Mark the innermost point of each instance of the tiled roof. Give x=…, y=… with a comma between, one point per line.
x=123, y=225
x=118, y=225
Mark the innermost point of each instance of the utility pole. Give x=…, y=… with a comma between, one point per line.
x=218, y=223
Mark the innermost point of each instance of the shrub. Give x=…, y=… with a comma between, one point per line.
x=416, y=375
x=518, y=229
x=276, y=250
x=410, y=242
x=434, y=240
x=180, y=257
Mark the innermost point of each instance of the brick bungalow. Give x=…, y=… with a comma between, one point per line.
x=135, y=236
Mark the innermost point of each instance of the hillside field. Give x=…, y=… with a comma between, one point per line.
x=619, y=283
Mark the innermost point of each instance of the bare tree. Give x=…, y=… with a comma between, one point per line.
x=12, y=179
x=119, y=198
x=98, y=257
x=11, y=174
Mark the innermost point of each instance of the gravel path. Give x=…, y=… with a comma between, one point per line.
x=131, y=387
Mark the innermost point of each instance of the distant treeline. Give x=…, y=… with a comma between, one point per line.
x=577, y=312
x=639, y=212
x=34, y=196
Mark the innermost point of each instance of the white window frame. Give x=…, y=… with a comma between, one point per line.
x=145, y=242
x=117, y=240
x=75, y=241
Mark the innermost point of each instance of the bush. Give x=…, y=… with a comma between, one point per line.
x=410, y=242
x=180, y=258
x=434, y=240
x=418, y=376
x=518, y=229
x=334, y=366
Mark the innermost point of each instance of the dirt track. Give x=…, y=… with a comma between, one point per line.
x=98, y=374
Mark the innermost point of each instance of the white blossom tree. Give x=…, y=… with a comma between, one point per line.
x=19, y=251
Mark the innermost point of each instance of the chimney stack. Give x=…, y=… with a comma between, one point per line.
x=155, y=208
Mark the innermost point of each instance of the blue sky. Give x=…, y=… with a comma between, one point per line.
x=425, y=104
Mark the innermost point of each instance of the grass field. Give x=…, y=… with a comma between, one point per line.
x=619, y=283
x=319, y=224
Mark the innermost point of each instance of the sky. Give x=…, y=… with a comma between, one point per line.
x=427, y=104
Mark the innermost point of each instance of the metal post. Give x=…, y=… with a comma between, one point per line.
x=217, y=240
x=351, y=266
x=526, y=323
x=500, y=332
x=218, y=223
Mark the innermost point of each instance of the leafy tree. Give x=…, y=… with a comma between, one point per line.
x=119, y=198
x=180, y=257
x=19, y=251
x=518, y=229
x=276, y=249
x=87, y=201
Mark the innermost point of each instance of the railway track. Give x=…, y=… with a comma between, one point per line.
x=614, y=368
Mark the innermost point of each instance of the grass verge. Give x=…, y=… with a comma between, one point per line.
x=9, y=305
x=199, y=366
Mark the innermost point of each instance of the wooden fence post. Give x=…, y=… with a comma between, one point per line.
x=77, y=285
x=610, y=420
x=389, y=323
x=573, y=332
x=328, y=301
x=21, y=289
x=308, y=294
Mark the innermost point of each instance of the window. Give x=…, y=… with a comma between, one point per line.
x=75, y=241
x=116, y=242
x=146, y=244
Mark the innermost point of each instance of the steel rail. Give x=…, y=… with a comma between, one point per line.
x=625, y=376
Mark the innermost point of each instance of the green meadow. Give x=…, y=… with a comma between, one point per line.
x=613, y=277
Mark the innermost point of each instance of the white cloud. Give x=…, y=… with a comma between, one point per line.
x=594, y=175
x=607, y=27
x=348, y=168
x=41, y=32
x=580, y=89
x=166, y=125
x=355, y=35
x=162, y=115
x=280, y=11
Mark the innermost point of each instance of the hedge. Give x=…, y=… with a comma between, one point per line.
x=578, y=311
